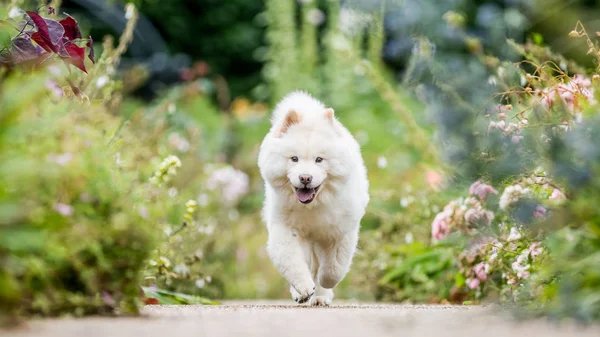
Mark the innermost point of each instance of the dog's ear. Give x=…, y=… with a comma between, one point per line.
x=292, y=117
x=329, y=113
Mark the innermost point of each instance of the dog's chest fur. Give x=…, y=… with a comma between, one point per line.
x=319, y=223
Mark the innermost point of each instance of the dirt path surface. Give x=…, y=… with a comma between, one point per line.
x=274, y=319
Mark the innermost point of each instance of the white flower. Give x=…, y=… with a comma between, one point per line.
x=382, y=162
x=519, y=267
x=511, y=195
x=497, y=125
x=514, y=235
x=200, y=283
x=315, y=16
x=15, y=12
x=102, y=81
x=203, y=200
x=352, y=22
x=143, y=212
x=60, y=159
x=181, y=269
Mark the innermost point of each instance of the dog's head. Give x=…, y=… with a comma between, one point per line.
x=307, y=153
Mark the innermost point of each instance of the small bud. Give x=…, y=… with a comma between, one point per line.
x=508, y=107
x=590, y=51
x=574, y=33
x=596, y=77
x=502, y=115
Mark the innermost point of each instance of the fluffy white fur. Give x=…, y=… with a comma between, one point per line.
x=311, y=243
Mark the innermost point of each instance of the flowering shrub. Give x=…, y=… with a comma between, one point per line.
x=486, y=253
x=87, y=194
x=513, y=238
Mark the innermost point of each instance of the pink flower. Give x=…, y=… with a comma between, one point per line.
x=441, y=225
x=557, y=195
x=55, y=89
x=241, y=254
x=434, y=179
x=60, y=159
x=64, y=209
x=516, y=139
x=501, y=125
x=481, y=190
x=473, y=283
x=480, y=271
x=535, y=249
x=539, y=212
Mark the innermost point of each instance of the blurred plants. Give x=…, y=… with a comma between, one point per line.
x=514, y=240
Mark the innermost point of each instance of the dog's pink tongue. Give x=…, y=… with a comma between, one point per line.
x=304, y=194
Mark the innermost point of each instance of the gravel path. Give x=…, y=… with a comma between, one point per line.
x=274, y=319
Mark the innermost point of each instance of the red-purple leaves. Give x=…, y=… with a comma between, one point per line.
x=71, y=29
x=76, y=56
x=49, y=34
x=53, y=38
x=90, y=44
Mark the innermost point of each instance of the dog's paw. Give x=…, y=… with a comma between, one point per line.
x=304, y=294
x=320, y=301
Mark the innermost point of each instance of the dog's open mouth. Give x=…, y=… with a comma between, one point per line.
x=306, y=195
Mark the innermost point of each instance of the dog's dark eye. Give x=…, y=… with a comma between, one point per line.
x=295, y=159
x=319, y=159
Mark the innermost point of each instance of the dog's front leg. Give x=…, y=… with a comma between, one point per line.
x=335, y=259
x=288, y=256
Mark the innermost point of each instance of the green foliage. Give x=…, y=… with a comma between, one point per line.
x=226, y=35
x=72, y=240
x=171, y=298
x=422, y=274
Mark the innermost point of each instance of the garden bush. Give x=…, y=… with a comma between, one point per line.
x=88, y=179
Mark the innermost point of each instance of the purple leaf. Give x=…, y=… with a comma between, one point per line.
x=23, y=50
x=90, y=44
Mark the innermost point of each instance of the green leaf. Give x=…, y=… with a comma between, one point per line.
x=168, y=297
x=538, y=39
x=409, y=264
x=459, y=280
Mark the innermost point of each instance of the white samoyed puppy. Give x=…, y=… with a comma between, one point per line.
x=316, y=194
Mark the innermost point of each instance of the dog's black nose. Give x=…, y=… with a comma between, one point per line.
x=305, y=179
